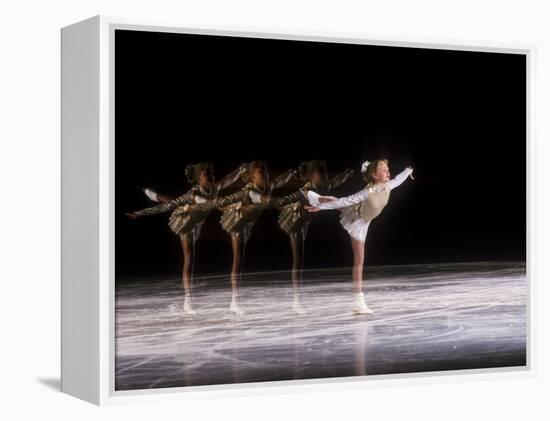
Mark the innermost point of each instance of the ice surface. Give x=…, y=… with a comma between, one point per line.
x=426, y=317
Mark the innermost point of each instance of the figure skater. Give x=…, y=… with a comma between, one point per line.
x=359, y=210
x=189, y=211
x=294, y=219
x=240, y=211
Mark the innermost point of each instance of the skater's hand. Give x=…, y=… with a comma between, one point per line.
x=312, y=208
x=411, y=175
x=323, y=199
x=132, y=215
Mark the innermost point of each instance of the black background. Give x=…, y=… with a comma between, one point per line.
x=457, y=117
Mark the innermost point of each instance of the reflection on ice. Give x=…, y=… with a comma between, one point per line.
x=427, y=317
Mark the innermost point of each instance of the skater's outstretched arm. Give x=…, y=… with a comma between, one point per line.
x=231, y=178
x=287, y=199
x=283, y=179
x=400, y=178
x=238, y=196
x=184, y=199
x=313, y=198
x=340, y=179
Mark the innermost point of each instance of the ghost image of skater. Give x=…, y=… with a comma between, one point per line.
x=294, y=219
x=240, y=212
x=188, y=214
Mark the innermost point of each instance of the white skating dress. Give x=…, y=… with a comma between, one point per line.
x=362, y=207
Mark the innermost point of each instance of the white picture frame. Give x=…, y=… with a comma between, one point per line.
x=87, y=325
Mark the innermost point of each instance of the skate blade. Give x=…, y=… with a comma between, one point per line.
x=362, y=313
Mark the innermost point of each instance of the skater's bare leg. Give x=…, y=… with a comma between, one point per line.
x=297, y=247
x=188, y=247
x=358, y=248
x=297, y=241
x=238, y=246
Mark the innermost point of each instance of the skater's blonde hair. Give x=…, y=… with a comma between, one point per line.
x=368, y=175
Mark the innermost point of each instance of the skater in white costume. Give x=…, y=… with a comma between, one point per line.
x=358, y=210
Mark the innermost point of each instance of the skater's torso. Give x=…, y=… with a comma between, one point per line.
x=375, y=202
x=293, y=216
x=188, y=211
x=192, y=209
x=241, y=209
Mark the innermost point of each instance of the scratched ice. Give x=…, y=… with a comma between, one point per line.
x=427, y=317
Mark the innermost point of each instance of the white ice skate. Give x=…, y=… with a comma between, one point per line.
x=151, y=194
x=234, y=306
x=187, y=306
x=297, y=306
x=359, y=305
